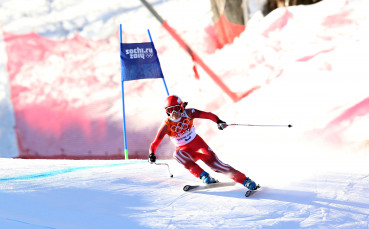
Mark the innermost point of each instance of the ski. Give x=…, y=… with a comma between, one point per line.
x=250, y=192
x=189, y=188
x=193, y=188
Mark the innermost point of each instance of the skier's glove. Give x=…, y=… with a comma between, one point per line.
x=221, y=125
x=152, y=158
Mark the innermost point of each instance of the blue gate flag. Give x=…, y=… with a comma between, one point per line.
x=139, y=61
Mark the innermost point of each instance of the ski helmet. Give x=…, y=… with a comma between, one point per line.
x=173, y=102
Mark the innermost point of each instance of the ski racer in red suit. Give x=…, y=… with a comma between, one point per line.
x=190, y=147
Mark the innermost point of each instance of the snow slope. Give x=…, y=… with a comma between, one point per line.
x=136, y=194
x=8, y=143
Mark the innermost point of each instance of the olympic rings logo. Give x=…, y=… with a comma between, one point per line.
x=149, y=54
x=181, y=126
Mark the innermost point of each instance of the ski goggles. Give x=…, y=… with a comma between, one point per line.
x=170, y=109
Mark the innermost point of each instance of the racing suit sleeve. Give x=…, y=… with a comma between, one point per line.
x=194, y=113
x=158, y=138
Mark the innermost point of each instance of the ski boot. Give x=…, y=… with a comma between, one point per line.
x=206, y=178
x=250, y=184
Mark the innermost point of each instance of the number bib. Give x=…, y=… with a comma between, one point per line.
x=181, y=131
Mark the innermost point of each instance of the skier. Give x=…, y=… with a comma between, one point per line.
x=190, y=147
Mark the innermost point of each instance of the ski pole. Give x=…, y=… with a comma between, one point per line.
x=171, y=175
x=236, y=124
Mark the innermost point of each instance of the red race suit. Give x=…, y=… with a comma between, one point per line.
x=190, y=147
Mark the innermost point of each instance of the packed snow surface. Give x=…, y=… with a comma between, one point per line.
x=136, y=194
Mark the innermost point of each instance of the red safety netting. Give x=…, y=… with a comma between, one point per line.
x=63, y=94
